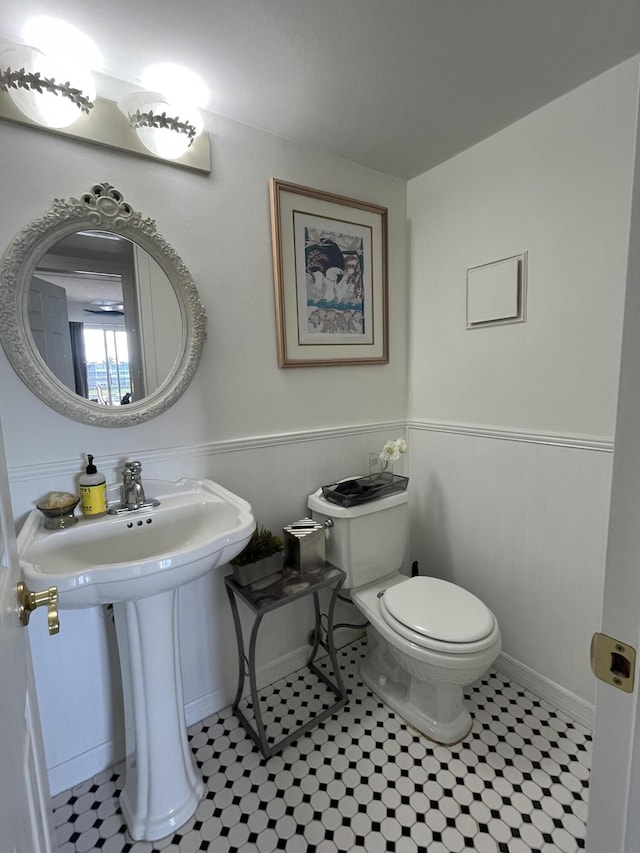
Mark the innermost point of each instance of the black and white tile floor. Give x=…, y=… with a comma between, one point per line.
x=364, y=781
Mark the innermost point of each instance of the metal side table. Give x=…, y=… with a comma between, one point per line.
x=263, y=597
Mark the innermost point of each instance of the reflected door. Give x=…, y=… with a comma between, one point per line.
x=49, y=321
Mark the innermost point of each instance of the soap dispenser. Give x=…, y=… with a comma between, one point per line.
x=93, y=491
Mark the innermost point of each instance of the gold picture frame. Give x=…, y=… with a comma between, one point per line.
x=330, y=277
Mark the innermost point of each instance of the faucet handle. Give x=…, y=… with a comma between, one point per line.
x=134, y=467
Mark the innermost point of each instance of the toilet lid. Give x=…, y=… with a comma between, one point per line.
x=438, y=610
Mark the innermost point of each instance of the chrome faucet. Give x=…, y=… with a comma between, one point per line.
x=133, y=496
x=132, y=489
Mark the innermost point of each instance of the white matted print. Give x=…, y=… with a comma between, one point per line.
x=330, y=270
x=333, y=281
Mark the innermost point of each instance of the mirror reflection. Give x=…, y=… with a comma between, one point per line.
x=104, y=317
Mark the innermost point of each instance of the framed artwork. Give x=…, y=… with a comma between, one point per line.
x=330, y=276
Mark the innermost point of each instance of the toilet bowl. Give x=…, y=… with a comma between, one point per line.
x=427, y=638
x=422, y=676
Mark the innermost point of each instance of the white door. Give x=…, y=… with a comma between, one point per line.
x=614, y=816
x=25, y=818
x=49, y=322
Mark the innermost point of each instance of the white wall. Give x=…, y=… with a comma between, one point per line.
x=510, y=450
x=307, y=426
x=220, y=227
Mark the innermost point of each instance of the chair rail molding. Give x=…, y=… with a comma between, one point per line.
x=577, y=441
x=34, y=472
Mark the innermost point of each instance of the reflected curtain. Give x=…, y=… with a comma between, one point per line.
x=79, y=357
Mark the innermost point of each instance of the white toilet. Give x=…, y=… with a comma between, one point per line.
x=427, y=638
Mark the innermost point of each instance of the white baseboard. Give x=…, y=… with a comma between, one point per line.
x=578, y=709
x=65, y=775
x=75, y=770
x=216, y=700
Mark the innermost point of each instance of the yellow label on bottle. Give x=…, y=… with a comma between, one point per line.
x=94, y=499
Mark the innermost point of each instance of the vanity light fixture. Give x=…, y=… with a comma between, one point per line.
x=162, y=127
x=48, y=79
x=45, y=85
x=34, y=83
x=166, y=118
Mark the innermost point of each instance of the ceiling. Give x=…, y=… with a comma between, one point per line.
x=397, y=85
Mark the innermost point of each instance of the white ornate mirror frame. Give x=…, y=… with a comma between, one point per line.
x=102, y=208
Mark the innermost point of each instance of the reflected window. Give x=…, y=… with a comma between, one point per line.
x=108, y=373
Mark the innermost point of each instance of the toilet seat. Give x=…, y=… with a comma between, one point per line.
x=435, y=614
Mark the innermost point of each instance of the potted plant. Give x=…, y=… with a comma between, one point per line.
x=261, y=557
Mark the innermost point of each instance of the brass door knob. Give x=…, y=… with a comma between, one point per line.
x=28, y=601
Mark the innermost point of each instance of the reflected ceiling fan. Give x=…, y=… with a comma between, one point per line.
x=106, y=306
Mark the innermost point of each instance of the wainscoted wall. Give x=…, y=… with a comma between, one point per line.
x=520, y=519
x=77, y=671
x=516, y=518
x=511, y=427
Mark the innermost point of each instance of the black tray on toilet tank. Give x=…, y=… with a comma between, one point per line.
x=360, y=490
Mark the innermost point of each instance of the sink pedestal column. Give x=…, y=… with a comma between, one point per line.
x=162, y=789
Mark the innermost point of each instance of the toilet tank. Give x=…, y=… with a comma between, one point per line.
x=367, y=541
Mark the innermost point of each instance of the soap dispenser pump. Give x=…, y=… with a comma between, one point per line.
x=93, y=491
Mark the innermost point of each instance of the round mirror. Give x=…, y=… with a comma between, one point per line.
x=98, y=315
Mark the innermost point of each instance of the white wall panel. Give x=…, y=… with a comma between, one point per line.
x=77, y=671
x=523, y=526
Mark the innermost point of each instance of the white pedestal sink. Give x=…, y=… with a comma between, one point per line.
x=137, y=562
